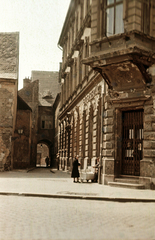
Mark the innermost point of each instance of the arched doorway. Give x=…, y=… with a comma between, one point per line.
x=44, y=149
x=42, y=153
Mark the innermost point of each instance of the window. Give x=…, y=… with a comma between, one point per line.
x=114, y=17
x=146, y=16
x=46, y=122
x=87, y=5
x=43, y=124
x=86, y=54
x=81, y=15
x=80, y=65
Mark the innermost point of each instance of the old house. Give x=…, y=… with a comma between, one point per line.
x=108, y=67
x=39, y=93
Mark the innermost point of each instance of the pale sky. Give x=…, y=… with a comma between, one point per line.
x=39, y=23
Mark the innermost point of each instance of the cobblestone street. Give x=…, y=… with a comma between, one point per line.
x=43, y=218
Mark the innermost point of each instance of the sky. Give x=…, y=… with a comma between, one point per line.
x=39, y=23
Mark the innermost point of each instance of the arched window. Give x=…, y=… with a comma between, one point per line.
x=77, y=134
x=83, y=138
x=73, y=136
x=98, y=129
x=90, y=138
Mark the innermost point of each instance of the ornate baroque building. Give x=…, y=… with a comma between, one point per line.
x=107, y=96
x=81, y=91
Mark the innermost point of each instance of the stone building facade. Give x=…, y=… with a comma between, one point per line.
x=9, y=57
x=81, y=91
x=108, y=76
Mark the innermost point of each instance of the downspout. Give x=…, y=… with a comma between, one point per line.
x=101, y=138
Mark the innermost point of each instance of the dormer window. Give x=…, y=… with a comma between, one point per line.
x=114, y=17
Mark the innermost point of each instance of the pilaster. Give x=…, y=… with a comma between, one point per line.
x=108, y=141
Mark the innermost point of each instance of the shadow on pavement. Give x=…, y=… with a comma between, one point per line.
x=38, y=172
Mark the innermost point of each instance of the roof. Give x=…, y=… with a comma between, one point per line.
x=22, y=105
x=66, y=23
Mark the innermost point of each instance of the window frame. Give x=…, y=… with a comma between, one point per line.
x=145, y=13
x=112, y=5
x=102, y=17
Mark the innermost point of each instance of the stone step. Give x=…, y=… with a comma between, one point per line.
x=126, y=185
x=127, y=180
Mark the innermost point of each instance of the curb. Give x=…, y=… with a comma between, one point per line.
x=96, y=198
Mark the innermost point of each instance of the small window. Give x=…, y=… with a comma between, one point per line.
x=46, y=122
x=43, y=124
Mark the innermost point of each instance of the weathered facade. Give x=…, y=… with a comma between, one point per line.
x=22, y=136
x=29, y=93
x=120, y=37
x=39, y=93
x=9, y=56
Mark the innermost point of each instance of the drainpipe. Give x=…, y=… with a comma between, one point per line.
x=101, y=138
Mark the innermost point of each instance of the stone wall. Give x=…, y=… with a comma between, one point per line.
x=46, y=114
x=9, y=55
x=22, y=143
x=30, y=95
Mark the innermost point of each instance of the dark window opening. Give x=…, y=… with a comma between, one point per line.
x=43, y=124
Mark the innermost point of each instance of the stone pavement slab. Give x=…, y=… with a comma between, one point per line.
x=58, y=184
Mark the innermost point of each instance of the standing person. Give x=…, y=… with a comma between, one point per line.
x=75, y=171
x=96, y=170
x=47, y=161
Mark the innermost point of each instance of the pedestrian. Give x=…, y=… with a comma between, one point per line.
x=97, y=165
x=47, y=161
x=75, y=171
x=57, y=161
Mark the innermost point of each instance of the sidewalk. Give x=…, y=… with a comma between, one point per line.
x=58, y=184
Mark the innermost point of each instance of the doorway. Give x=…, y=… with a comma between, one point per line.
x=132, y=142
x=42, y=153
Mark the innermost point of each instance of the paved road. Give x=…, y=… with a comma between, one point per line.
x=27, y=218
x=58, y=183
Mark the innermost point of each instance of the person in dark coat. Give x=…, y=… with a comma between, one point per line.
x=57, y=161
x=75, y=171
